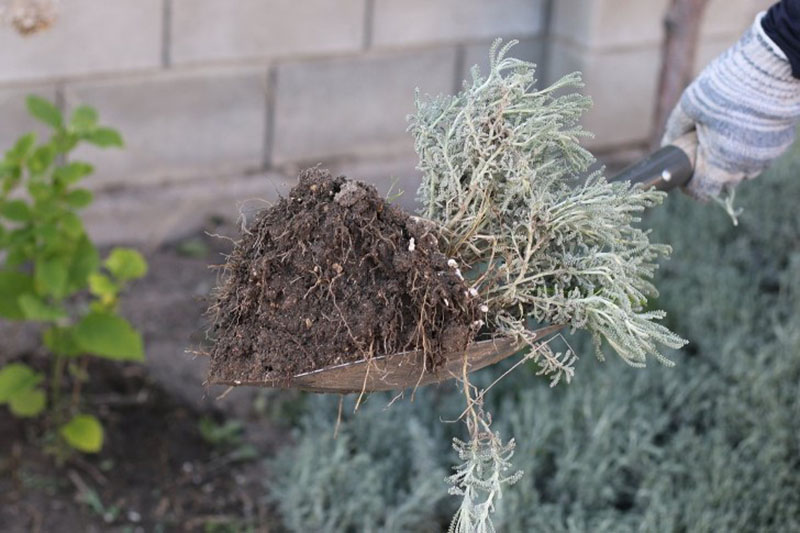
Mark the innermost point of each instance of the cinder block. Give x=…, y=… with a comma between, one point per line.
x=154, y=214
x=730, y=17
x=14, y=118
x=178, y=125
x=575, y=21
x=342, y=106
x=210, y=30
x=423, y=21
x=605, y=24
x=396, y=177
x=622, y=85
x=87, y=37
x=609, y=23
x=478, y=54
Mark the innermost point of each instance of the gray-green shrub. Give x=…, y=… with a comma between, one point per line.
x=710, y=445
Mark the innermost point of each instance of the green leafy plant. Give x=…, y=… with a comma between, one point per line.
x=228, y=438
x=47, y=261
x=225, y=435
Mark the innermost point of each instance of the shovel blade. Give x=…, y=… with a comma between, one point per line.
x=398, y=371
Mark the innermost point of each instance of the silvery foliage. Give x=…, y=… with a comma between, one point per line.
x=706, y=447
x=479, y=480
x=504, y=178
x=350, y=478
x=500, y=164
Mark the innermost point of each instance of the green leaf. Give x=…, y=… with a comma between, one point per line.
x=80, y=374
x=16, y=257
x=48, y=235
x=83, y=118
x=126, y=264
x=101, y=285
x=16, y=210
x=10, y=178
x=35, y=309
x=12, y=286
x=85, y=261
x=105, y=138
x=44, y=110
x=109, y=336
x=61, y=341
x=228, y=433
x=72, y=172
x=84, y=433
x=50, y=276
x=28, y=403
x=16, y=378
x=244, y=453
x=64, y=141
x=72, y=225
x=79, y=198
x=21, y=237
x=40, y=192
x=41, y=159
x=21, y=149
x=194, y=247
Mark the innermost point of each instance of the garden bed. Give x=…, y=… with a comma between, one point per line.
x=156, y=470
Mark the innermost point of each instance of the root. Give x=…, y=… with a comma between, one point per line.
x=336, y=254
x=338, y=417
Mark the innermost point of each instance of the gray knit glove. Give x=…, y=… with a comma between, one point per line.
x=745, y=106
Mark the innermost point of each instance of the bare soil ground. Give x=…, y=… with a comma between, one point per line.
x=157, y=470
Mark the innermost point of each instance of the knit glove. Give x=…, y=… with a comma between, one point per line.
x=744, y=107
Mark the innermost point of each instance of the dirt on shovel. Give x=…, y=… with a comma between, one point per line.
x=332, y=274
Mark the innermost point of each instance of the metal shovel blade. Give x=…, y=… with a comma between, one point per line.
x=398, y=371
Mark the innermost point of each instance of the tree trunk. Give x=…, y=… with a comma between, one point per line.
x=682, y=32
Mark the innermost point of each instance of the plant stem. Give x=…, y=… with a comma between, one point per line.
x=55, y=385
x=76, y=387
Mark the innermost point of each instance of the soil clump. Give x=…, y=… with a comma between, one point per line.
x=332, y=274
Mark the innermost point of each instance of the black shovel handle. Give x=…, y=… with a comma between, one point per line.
x=668, y=168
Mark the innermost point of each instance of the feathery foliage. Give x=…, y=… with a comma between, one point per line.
x=351, y=481
x=503, y=177
x=500, y=163
x=479, y=479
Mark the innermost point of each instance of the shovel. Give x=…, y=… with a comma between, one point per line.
x=668, y=168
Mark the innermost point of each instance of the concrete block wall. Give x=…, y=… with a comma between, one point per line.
x=616, y=44
x=225, y=101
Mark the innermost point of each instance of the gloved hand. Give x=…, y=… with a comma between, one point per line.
x=745, y=106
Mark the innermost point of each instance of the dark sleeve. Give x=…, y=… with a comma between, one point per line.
x=782, y=25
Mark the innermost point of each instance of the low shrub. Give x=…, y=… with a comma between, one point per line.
x=709, y=445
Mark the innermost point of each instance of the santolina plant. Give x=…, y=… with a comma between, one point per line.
x=503, y=178
x=501, y=162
